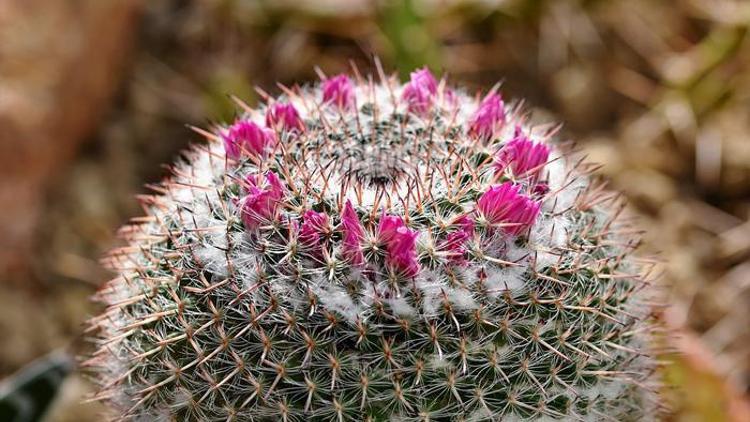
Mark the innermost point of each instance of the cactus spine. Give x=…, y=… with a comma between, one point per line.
x=360, y=250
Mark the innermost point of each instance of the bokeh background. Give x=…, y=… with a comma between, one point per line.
x=95, y=95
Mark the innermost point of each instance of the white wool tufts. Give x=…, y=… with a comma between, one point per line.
x=550, y=231
x=335, y=298
x=401, y=307
x=431, y=286
x=438, y=362
x=461, y=298
x=545, y=259
x=510, y=278
x=213, y=258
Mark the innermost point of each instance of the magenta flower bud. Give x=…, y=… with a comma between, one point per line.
x=488, y=118
x=455, y=243
x=540, y=189
x=338, y=90
x=522, y=156
x=284, y=116
x=353, y=231
x=505, y=207
x=314, y=225
x=261, y=203
x=400, y=244
x=420, y=91
x=247, y=136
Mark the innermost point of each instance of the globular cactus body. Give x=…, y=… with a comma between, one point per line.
x=360, y=250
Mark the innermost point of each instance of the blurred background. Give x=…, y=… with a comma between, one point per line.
x=95, y=96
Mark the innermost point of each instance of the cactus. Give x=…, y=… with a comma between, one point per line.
x=358, y=250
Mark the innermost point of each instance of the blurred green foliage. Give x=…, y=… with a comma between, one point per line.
x=411, y=43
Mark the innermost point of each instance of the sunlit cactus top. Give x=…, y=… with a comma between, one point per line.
x=360, y=249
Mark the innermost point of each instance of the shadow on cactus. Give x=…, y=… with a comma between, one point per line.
x=360, y=250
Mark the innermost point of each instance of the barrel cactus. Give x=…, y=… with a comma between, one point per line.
x=365, y=250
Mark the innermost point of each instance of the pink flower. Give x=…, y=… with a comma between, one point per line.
x=261, y=203
x=400, y=245
x=284, y=116
x=314, y=225
x=247, y=136
x=503, y=206
x=455, y=242
x=338, y=90
x=353, y=235
x=540, y=189
x=420, y=91
x=489, y=117
x=522, y=156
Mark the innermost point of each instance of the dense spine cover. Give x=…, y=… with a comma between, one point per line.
x=361, y=250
